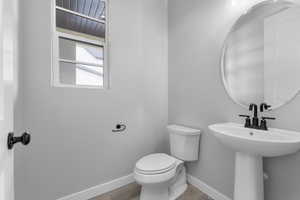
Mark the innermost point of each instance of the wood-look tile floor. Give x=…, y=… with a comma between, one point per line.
x=132, y=191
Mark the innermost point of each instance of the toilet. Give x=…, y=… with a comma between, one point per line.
x=162, y=176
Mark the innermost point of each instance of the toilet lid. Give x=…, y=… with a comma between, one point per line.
x=155, y=164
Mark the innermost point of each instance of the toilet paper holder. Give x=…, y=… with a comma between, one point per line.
x=119, y=128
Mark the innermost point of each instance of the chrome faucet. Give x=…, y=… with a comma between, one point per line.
x=253, y=107
x=254, y=123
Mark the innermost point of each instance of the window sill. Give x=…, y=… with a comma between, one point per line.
x=59, y=85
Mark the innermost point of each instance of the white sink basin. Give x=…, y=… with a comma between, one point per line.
x=274, y=142
x=250, y=146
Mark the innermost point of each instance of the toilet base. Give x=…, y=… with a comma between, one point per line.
x=180, y=190
x=157, y=192
x=180, y=184
x=166, y=191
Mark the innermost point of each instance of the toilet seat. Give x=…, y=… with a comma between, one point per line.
x=156, y=169
x=155, y=164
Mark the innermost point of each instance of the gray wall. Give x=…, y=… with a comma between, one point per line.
x=72, y=146
x=197, y=29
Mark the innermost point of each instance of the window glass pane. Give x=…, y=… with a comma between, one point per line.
x=70, y=21
x=89, y=75
x=67, y=73
x=89, y=54
x=80, y=52
x=77, y=74
x=67, y=49
x=92, y=8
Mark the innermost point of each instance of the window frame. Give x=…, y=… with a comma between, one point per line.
x=67, y=34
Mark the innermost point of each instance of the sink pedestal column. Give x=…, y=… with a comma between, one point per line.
x=248, y=177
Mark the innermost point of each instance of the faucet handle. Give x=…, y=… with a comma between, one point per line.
x=263, y=123
x=244, y=116
x=247, y=121
x=264, y=106
x=270, y=118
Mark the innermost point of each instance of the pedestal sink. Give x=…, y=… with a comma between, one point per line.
x=250, y=146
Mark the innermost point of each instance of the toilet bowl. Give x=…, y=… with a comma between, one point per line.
x=163, y=177
x=159, y=176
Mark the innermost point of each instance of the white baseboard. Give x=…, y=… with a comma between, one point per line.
x=210, y=191
x=125, y=180
x=100, y=189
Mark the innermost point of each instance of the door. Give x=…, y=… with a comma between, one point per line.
x=8, y=91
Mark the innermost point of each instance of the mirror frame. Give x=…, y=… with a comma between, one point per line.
x=224, y=48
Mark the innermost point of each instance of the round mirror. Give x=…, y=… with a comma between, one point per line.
x=261, y=55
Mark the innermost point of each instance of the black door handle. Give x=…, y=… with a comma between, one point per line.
x=11, y=140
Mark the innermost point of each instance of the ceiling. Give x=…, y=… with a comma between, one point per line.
x=91, y=8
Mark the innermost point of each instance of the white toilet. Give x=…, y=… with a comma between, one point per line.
x=163, y=177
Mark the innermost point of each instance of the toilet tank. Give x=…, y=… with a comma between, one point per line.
x=184, y=142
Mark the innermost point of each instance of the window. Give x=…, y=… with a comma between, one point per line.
x=79, y=44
